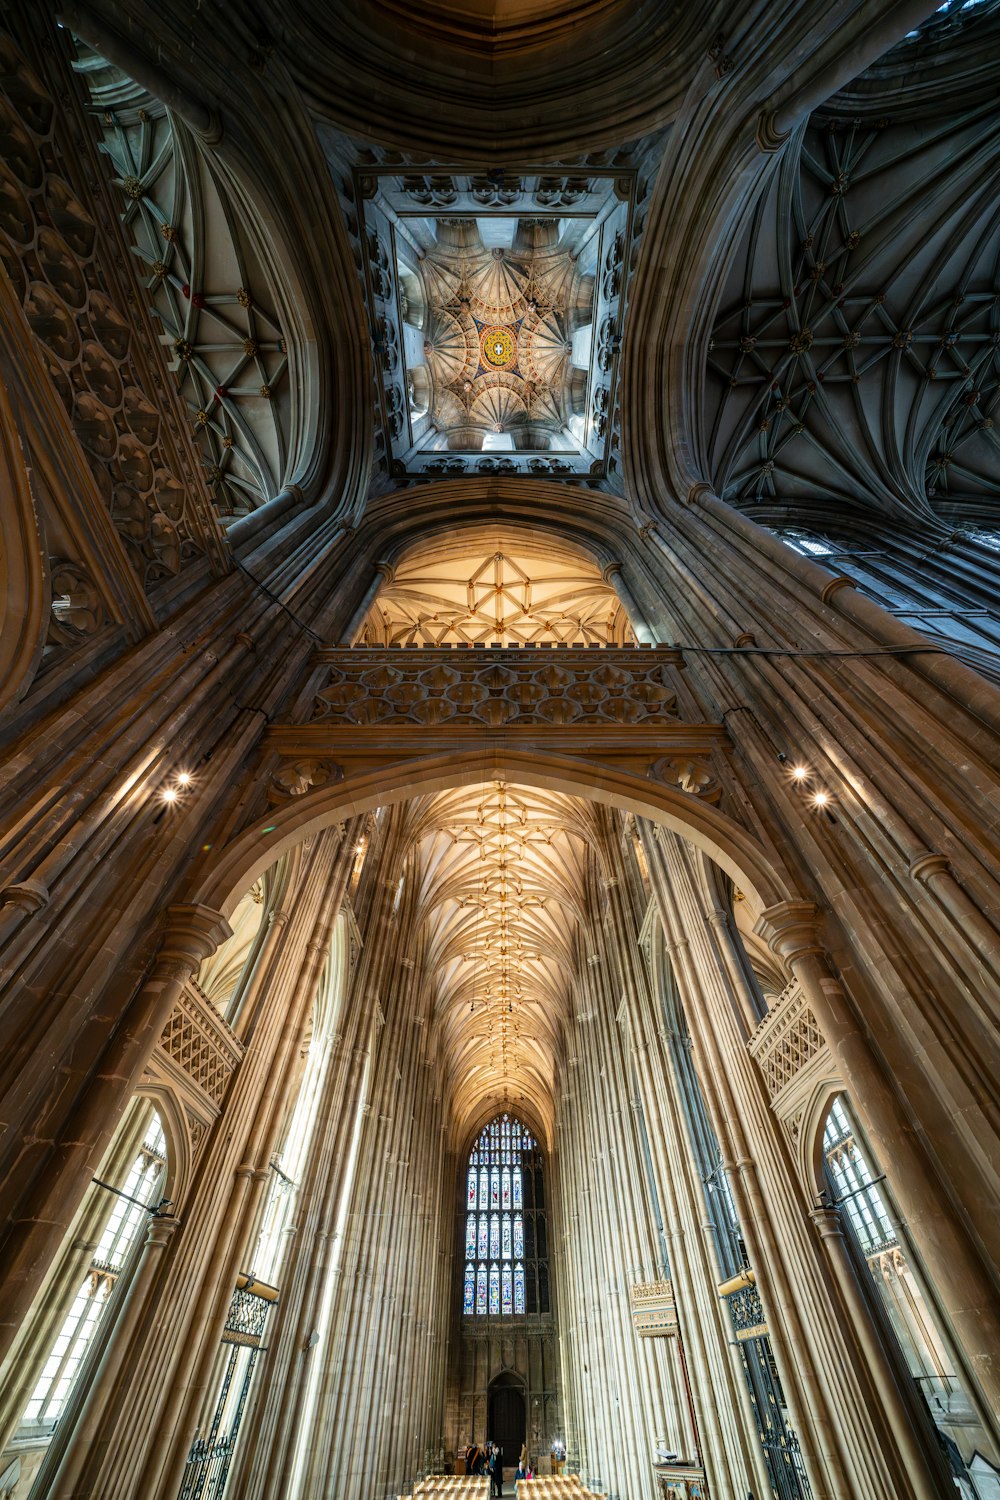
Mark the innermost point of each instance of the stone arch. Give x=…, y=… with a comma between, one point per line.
x=223, y=880
x=809, y=1140
x=176, y=1131
x=486, y=1112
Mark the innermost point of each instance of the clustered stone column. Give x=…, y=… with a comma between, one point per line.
x=141, y=1412
x=857, y=1437
x=354, y=1393
x=622, y=1393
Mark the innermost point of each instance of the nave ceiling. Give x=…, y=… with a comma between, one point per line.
x=500, y=880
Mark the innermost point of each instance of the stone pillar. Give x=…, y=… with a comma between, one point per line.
x=193, y=932
x=384, y=573
x=847, y=1439
x=967, y=1293
x=613, y=575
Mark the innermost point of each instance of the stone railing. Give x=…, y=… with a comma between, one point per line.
x=197, y=1041
x=654, y=1312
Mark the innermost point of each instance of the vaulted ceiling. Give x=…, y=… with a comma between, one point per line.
x=495, y=587
x=855, y=359
x=499, y=875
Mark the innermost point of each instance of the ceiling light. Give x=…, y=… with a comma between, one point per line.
x=169, y=794
x=820, y=798
x=184, y=779
x=799, y=773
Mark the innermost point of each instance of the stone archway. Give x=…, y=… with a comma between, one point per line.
x=507, y=1416
x=220, y=882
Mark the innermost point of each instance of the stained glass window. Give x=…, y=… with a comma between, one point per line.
x=506, y=1273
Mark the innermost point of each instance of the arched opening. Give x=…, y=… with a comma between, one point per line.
x=74, y=1317
x=507, y=1417
x=496, y=586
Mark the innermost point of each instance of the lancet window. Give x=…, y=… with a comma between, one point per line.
x=506, y=1255
x=130, y=1206
x=919, y=1347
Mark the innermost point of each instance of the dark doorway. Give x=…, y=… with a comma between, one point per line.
x=506, y=1417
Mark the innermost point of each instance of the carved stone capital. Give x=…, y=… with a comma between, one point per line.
x=700, y=491
x=192, y=934
x=161, y=1231
x=926, y=866
x=611, y=571
x=827, y=1222
x=746, y=638
x=767, y=135
x=834, y=586
x=28, y=896
x=790, y=929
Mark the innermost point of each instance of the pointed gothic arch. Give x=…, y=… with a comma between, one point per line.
x=228, y=874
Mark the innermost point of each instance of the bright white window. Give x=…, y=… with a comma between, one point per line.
x=123, y=1227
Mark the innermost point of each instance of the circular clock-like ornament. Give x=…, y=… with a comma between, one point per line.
x=498, y=347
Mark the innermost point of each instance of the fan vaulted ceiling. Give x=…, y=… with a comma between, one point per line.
x=496, y=302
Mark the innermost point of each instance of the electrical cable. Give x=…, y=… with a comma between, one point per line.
x=676, y=646
x=280, y=603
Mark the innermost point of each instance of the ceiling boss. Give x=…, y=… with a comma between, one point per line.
x=498, y=347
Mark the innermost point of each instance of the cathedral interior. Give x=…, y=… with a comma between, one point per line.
x=499, y=726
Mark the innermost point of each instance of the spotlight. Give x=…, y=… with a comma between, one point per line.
x=799, y=773
x=184, y=779
x=170, y=794
x=820, y=798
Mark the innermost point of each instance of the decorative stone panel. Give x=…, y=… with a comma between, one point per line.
x=67, y=261
x=786, y=1040
x=654, y=1312
x=679, y=1481
x=498, y=686
x=201, y=1045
